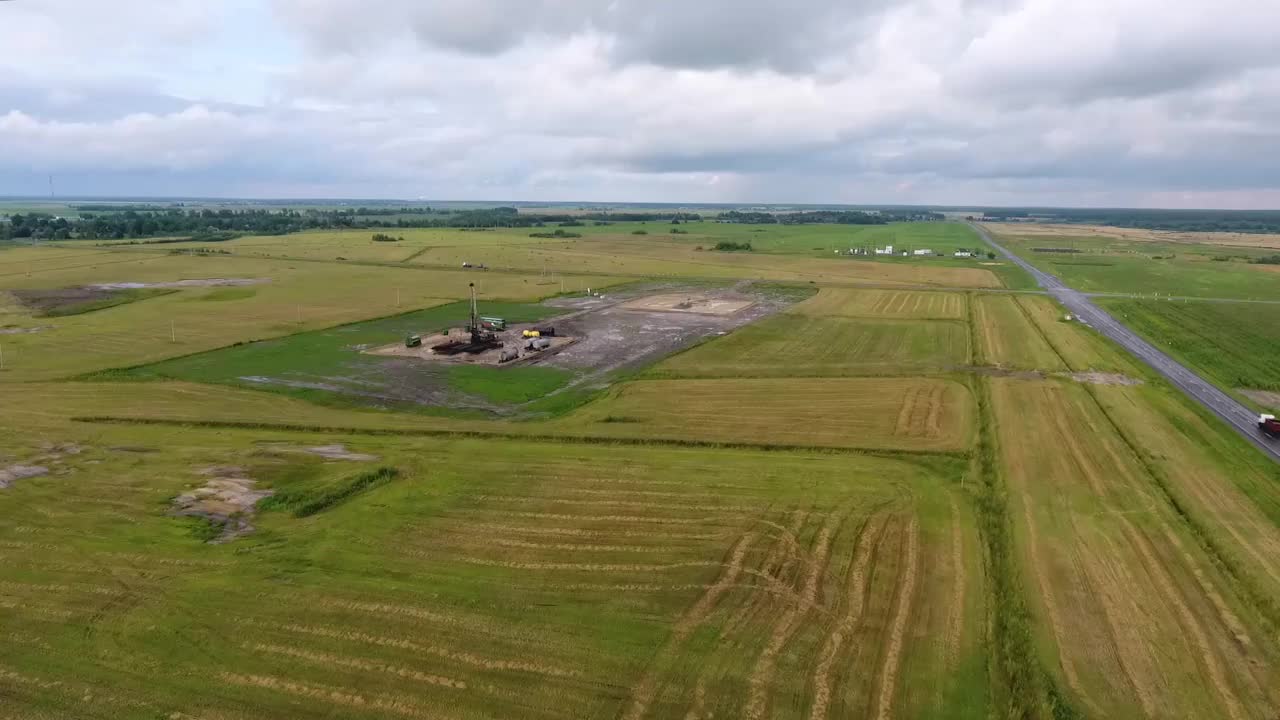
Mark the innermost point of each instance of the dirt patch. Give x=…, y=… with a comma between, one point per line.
x=512, y=340
x=20, y=472
x=1101, y=378
x=227, y=499
x=328, y=452
x=24, y=331
x=178, y=284
x=44, y=302
x=1266, y=398
x=700, y=303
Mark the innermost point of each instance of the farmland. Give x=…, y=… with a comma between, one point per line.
x=773, y=483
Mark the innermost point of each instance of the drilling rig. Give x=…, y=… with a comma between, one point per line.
x=481, y=339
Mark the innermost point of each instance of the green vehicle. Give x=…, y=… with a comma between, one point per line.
x=493, y=323
x=413, y=341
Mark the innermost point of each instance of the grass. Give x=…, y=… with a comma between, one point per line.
x=508, y=385
x=1119, y=265
x=308, y=501
x=417, y=595
x=791, y=345
x=893, y=413
x=1236, y=346
x=884, y=304
x=1008, y=337
x=1087, y=515
x=327, y=365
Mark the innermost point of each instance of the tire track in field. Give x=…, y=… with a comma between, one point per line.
x=332, y=695
x=906, y=594
x=588, y=567
x=781, y=557
x=458, y=656
x=856, y=591
x=955, y=624
x=331, y=660
x=762, y=675
x=586, y=533
x=643, y=693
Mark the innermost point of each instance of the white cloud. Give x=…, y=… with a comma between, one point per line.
x=1113, y=101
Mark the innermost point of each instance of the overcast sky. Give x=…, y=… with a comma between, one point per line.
x=1166, y=103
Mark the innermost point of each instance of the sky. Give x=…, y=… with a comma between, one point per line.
x=1119, y=103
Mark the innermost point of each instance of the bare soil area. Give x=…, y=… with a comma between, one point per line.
x=20, y=472
x=702, y=303
x=1266, y=398
x=227, y=499
x=336, y=451
x=512, y=340
x=45, y=301
x=1101, y=378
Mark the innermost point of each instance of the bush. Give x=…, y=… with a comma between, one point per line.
x=557, y=234
x=379, y=237
x=639, y=232
x=730, y=246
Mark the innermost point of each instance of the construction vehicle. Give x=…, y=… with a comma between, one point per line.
x=493, y=323
x=413, y=341
x=1269, y=425
x=547, y=331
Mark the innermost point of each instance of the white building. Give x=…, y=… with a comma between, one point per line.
x=886, y=250
x=924, y=252
x=963, y=253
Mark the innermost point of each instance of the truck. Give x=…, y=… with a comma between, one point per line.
x=1269, y=425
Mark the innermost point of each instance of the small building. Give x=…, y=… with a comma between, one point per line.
x=886, y=250
x=924, y=252
x=963, y=253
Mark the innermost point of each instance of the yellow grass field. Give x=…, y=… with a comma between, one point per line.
x=884, y=304
x=1136, y=619
x=1252, y=240
x=896, y=413
x=1007, y=338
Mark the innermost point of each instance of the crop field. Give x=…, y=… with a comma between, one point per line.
x=1137, y=620
x=792, y=345
x=1009, y=338
x=886, y=304
x=1235, y=345
x=894, y=413
x=880, y=489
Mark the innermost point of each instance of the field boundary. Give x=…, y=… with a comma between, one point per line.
x=531, y=437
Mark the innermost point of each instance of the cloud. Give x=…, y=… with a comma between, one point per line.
x=1117, y=102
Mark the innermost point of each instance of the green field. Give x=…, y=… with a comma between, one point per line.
x=792, y=345
x=1117, y=265
x=1235, y=345
x=902, y=493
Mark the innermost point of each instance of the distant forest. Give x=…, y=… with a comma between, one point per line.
x=105, y=222
x=1237, y=221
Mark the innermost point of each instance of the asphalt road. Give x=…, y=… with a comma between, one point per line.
x=1239, y=417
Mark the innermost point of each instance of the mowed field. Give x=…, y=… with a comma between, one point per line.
x=884, y=304
x=878, y=503
x=489, y=580
x=802, y=345
x=893, y=413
